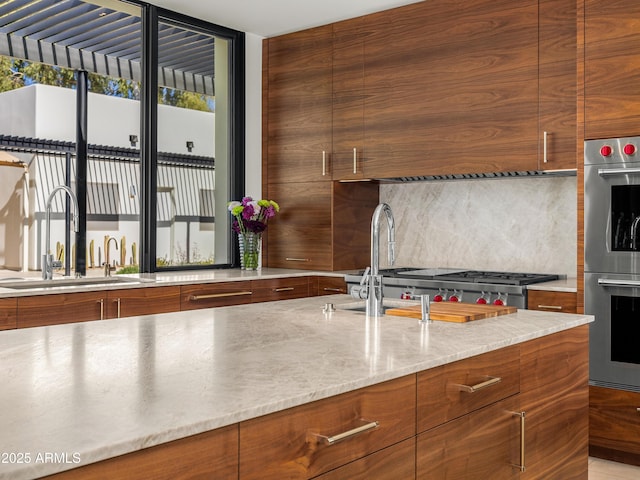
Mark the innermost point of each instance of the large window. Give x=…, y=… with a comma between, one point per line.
x=154, y=150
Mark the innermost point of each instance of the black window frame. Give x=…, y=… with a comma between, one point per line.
x=151, y=16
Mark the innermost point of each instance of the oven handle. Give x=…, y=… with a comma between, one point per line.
x=609, y=172
x=606, y=282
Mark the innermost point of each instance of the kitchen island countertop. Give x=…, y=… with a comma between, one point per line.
x=95, y=390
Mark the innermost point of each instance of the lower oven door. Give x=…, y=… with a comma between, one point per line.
x=614, y=340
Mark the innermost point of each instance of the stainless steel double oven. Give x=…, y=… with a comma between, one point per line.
x=612, y=260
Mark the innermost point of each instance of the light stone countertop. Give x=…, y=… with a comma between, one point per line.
x=569, y=285
x=146, y=280
x=94, y=390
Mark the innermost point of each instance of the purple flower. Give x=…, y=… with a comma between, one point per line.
x=255, y=226
x=246, y=200
x=247, y=213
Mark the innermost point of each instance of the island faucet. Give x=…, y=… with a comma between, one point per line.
x=371, y=283
x=47, y=258
x=107, y=264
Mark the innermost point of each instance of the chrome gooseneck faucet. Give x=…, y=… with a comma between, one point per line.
x=372, y=291
x=47, y=258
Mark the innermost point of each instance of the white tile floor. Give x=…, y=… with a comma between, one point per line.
x=605, y=470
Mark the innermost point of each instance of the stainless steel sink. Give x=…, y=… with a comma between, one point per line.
x=386, y=305
x=27, y=284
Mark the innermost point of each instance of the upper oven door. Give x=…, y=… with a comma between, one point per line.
x=612, y=217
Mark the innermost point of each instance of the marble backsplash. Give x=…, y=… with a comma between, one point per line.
x=522, y=224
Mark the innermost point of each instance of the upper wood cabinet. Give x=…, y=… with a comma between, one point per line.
x=612, y=78
x=451, y=88
x=348, y=157
x=557, y=84
x=297, y=133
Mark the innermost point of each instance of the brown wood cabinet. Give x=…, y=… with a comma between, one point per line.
x=298, y=94
x=142, y=301
x=209, y=455
x=391, y=463
x=612, y=79
x=41, y=310
x=348, y=156
x=456, y=389
x=321, y=285
x=222, y=294
x=8, y=313
x=557, y=84
x=304, y=441
x=481, y=445
x=614, y=424
x=550, y=301
x=451, y=88
x=279, y=289
x=555, y=396
x=321, y=226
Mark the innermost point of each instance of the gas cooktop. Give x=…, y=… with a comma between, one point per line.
x=472, y=276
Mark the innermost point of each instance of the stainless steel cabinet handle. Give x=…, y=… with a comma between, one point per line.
x=609, y=282
x=339, y=290
x=195, y=298
x=324, y=163
x=283, y=289
x=355, y=160
x=479, y=386
x=609, y=172
x=349, y=433
x=551, y=307
x=117, y=300
x=545, y=135
x=291, y=259
x=522, y=425
x=101, y=302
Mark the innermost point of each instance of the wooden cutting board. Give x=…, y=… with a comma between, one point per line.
x=454, y=311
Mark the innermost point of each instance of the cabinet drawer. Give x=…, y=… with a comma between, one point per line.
x=392, y=463
x=38, y=311
x=279, y=289
x=452, y=390
x=8, y=313
x=212, y=454
x=565, y=302
x=329, y=285
x=614, y=420
x=209, y=295
x=298, y=443
x=481, y=445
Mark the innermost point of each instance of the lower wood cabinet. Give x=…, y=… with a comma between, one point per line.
x=207, y=295
x=209, y=455
x=555, y=396
x=396, y=462
x=38, y=311
x=614, y=424
x=279, y=289
x=142, y=301
x=481, y=445
x=327, y=285
x=312, y=439
x=550, y=301
x=8, y=313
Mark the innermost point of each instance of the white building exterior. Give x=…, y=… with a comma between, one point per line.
x=46, y=112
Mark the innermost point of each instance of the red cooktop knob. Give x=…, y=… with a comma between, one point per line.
x=497, y=301
x=437, y=298
x=481, y=301
x=606, y=150
x=453, y=298
x=629, y=149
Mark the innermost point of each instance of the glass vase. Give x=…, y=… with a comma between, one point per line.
x=249, y=250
